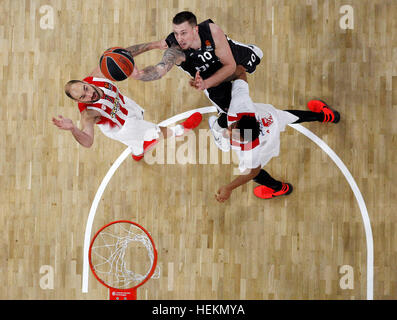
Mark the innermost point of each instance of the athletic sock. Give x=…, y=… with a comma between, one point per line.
x=177, y=130
x=266, y=179
x=221, y=122
x=307, y=116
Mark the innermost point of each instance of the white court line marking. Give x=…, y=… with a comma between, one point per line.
x=104, y=183
x=360, y=201
x=298, y=127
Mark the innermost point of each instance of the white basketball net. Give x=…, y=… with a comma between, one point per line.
x=117, y=249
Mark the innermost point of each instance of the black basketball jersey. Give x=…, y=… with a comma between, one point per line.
x=204, y=58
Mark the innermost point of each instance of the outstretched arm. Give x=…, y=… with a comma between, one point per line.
x=143, y=47
x=85, y=136
x=134, y=50
x=172, y=56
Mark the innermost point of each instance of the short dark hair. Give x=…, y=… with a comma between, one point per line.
x=67, y=87
x=184, y=16
x=249, y=128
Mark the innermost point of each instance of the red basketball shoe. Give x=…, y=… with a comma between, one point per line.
x=146, y=146
x=192, y=122
x=318, y=106
x=264, y=192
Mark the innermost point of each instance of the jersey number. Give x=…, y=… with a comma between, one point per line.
x=253, y=59
x=207, y=56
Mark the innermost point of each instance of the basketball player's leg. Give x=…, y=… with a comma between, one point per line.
x=218, y=127
x=140, y=135
x=264, y=178
x=221, y=97
x=320, y=112
x=180, y=129
x=306, y=116
x=155, y=133
x=270, y=187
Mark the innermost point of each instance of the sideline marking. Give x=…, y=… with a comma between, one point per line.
x=306, y=132
x=360, y=201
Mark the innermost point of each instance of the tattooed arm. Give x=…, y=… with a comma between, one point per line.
x=143, y=47
x=172, y=55
x=134, y=50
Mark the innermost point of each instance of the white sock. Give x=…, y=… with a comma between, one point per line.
x=178, y=130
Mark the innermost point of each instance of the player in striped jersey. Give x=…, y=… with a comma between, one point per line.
x=253, y=133
x=120, y=118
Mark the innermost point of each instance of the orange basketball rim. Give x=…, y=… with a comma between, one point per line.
x=123, y=257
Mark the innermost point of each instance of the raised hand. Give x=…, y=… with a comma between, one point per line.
x=63, y=123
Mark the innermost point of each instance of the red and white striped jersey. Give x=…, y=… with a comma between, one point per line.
x=271, y=122
x=112, y=106
x=242, y=105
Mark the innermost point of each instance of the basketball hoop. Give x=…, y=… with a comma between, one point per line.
x=122, y=257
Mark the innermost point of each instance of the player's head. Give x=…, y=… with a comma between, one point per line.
x=82, y=91
x=246, y=129
x=185, y=28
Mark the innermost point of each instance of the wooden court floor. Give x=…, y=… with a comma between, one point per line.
x=298, y=247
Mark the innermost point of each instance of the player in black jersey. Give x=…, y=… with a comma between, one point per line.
x=204, y=49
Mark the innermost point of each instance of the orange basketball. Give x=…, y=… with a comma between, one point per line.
x=116, y=64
